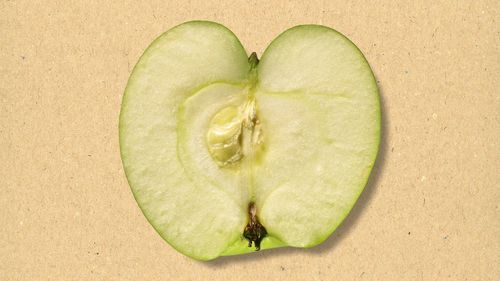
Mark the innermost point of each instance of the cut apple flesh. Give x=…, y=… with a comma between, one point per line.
x=213, y=142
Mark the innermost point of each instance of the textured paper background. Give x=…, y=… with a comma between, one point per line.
x=430, y=211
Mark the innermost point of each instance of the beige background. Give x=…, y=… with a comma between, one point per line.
x=430, y=211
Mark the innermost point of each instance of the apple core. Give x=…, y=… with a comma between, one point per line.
x=231, y=131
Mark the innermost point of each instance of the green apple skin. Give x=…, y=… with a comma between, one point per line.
x=311, y=75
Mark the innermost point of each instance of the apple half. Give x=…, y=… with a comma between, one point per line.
x=226, y=154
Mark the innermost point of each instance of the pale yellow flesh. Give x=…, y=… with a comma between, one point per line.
x=319, y=107
x=320, y=100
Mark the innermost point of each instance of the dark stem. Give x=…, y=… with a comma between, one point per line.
x=253, y=60
x=254, y=231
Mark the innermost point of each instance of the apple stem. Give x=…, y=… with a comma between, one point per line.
x=254, y=231
x=253, y=60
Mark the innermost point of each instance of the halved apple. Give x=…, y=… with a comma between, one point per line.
x=223, y=152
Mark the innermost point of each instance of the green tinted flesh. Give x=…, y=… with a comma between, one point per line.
x=195, y=159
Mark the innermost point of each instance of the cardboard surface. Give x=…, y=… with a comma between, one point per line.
x=430, y=211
